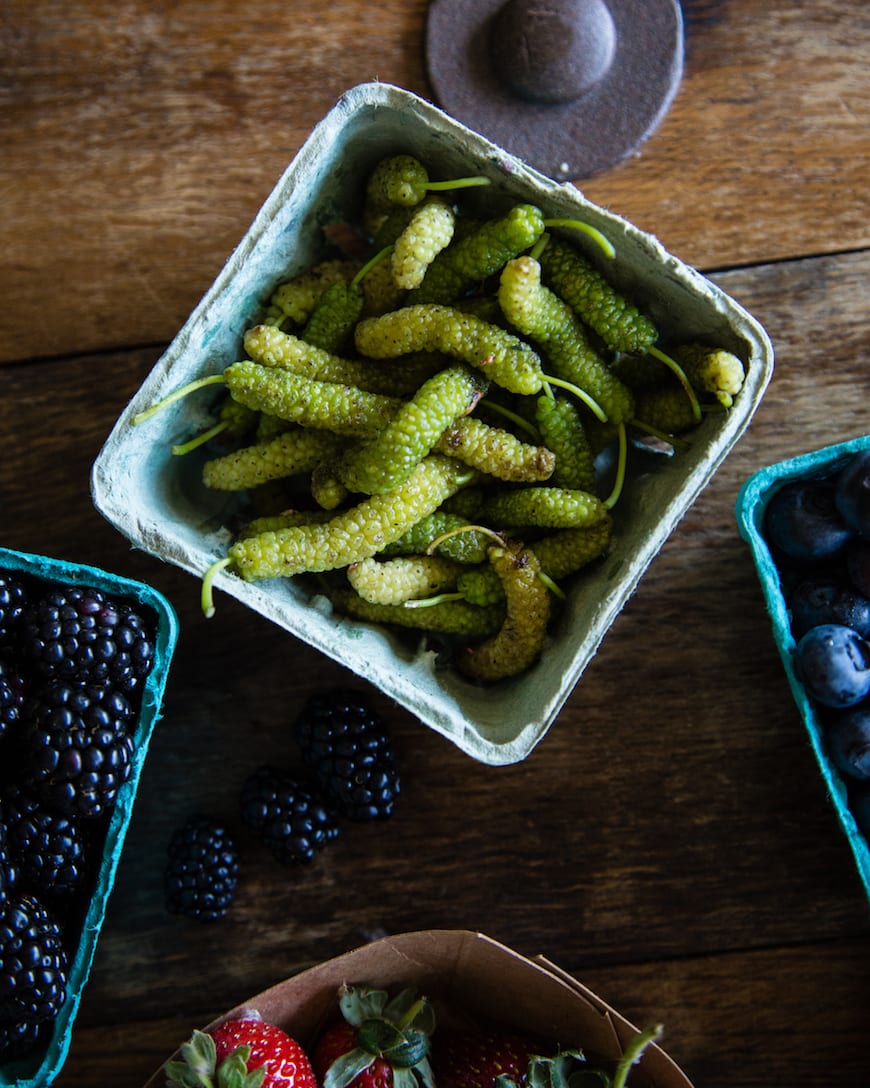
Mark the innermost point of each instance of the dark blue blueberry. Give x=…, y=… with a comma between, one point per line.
x=858, y=564
x=853, y=493
x=815, y=601
x=834, y=663
x=802, y=521
x=849, y=742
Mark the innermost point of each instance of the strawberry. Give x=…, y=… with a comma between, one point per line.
x=242, y=1053
x=379, y=1043
x=478, y=1058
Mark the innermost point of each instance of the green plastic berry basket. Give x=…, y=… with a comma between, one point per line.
x=159, y=502
x=42, y=1065
x=752, y=502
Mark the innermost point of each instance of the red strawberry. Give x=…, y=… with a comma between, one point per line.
x=477, y=1058
x=243, y=1053
x=380, y=1043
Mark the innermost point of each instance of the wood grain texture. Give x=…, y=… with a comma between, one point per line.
x=139, y=140
x=670, y=841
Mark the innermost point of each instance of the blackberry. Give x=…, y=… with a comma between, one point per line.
x=8, y=872
x=11, y=697
x=79, y=635
x=33, y=970
x=348, y=749
x=78, y=744
x=202, y=871
x=46, y=848
x=13, y=599
x=286, y=815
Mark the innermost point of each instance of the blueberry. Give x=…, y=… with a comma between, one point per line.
x=815, y=601
x=858, y=564
x=803, y=522
x=852, y=494
x=833, y=661
x=849, y=743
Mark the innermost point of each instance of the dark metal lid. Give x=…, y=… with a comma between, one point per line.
x=570, y=86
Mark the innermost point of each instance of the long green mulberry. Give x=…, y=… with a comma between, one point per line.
x=351, y=535
x=387, y=460
x=329, y=406
x=403, y=578
x=289, y=454
x=547, y=507
x=599, y=305
x=539, y=313
x=504, y=358
x=469, y=261
x=428, y=232
x=520, y=639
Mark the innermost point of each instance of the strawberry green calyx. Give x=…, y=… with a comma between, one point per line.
x=198, y=1067
x=394, y=1030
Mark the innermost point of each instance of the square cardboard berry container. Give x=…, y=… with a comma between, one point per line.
x=468, y=977
x=42, y=1066
x=161, y=505
x=752, y=502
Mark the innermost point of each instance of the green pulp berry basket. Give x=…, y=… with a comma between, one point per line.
x=752, y=503
x=40, y=1068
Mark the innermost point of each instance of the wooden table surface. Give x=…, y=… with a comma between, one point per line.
x=670, y=841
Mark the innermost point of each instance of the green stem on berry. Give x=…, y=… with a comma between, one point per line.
x=457, y=183
x=619, y=482
x=578, y=224
x=633, y=1053
x=201, y=439
x=370, y=264
x=581, y=394
x=674, y=366
x=197, y=383
x=206, y=595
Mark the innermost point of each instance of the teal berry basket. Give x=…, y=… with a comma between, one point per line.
x=42, y=1065
x=752, y=502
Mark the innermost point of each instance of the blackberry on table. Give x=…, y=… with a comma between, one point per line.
x=80, y=635
x=287, y=816
x=33, y=970
x=202, y=871
x=46, y=848
x=349, y=751
x=78, y=744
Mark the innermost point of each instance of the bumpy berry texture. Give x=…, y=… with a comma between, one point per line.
x=80, y=636
x=33, y=971
x=288, y=816
x=47, y=848
x=202, y=870
x=247, y=1052
x=73, y=661
x=476, y=1058
x=349, y=750
x=13, y=599
x=78, y=744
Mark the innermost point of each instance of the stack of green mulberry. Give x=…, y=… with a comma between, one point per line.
x=417, y=425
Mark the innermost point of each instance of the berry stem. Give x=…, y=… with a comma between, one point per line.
x=581, y=394
x=619, y=481
x=191, y=387
x=201, y=439
x=207, y=595
x=673, y=365
x=633, y=1053
x=578, y=224
x=457, y=183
